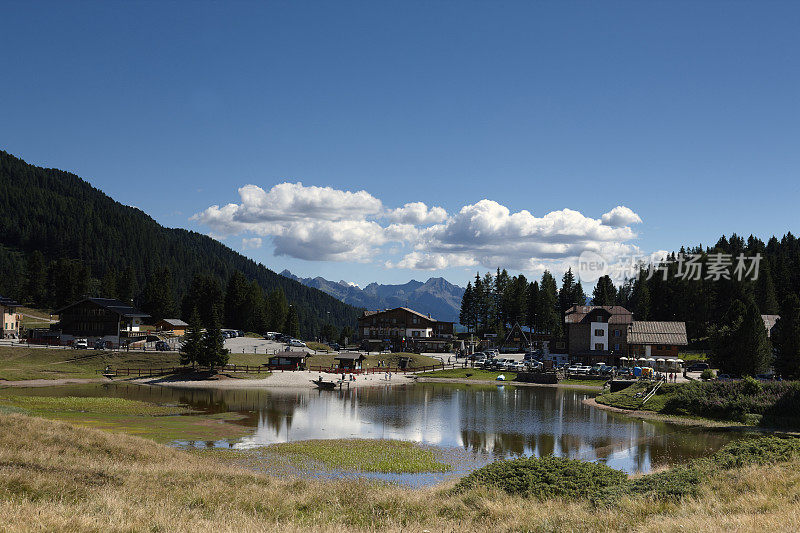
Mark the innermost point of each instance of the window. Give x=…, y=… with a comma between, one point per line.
x=598, y=346
x=415, y=333
x=616, y=332
x=599, y=333
x=616, y=346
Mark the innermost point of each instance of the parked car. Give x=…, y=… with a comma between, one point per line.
x=697, y=367
x=573, y=368
x=296, y=343
x=335, y=346
x=99, y=344
x=80, y=344
x=162, y=346
x=585, y=369
x=724, y=377
x=532, y=356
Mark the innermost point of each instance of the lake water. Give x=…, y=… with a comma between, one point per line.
x=476, y=424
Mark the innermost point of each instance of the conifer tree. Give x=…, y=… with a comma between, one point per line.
x=213, y=353
x=191, y=351
x=786, y=339
x=292, y=326
x=604, y=292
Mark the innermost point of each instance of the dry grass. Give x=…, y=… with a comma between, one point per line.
x=59, y=477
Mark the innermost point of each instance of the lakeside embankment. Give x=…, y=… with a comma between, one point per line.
x=57, y=476
x=747, y=402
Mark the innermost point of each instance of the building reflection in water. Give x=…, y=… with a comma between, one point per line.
x=487, y=421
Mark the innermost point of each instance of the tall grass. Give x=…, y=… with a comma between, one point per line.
x=59, y=477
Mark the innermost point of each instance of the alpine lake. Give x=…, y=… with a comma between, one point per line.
x=467, y=426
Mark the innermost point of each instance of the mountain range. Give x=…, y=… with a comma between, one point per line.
x=437, y=296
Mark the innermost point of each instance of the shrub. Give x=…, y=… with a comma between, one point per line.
x=757, y=451
x=546, y=477
x=707, y=374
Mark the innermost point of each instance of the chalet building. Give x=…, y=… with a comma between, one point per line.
x=603, y=334
x=174, y=325
x=11, y=318
x=99, y=318
x=404, y=330
x=597, y=333
x=656, y=339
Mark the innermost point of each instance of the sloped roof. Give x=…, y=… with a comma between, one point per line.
x=174, y=322
x=618, y=314
x=426, y=317
x=300, y=354
x=350, y=356
x=769, y=322
x=652, y=332
x=116, y=306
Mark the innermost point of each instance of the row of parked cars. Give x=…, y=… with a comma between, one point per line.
x=283, y=337
x=489, y=360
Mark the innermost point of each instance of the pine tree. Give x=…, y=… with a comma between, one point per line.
x=765, y=292
x=191, y=351
x=108, y=286
x=292, y=326
x=213, y=353
x=466, y=313
x=548, y=305
x=278, y=308
x=235, y=301
x=740, y=345
x=347, y=335
x=567, y=293
x=640, y=299
x=127, y=287
x=604, y=292
x=36, y=283
x=532, y=311
x=786, y=339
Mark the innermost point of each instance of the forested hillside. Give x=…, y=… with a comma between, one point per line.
x=61, y=238
x=697, y=285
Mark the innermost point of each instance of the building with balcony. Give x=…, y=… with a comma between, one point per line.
x=404, y=330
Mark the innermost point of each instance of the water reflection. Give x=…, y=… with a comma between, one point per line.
x=483, y=421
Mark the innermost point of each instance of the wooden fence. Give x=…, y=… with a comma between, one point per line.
x=257, y=369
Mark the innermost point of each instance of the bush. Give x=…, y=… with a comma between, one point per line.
x=707, y=374
x=546, y=477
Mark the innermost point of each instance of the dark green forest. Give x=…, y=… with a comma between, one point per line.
x=722, y=312
x=62, y=239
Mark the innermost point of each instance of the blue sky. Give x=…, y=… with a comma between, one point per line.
x=684, y=113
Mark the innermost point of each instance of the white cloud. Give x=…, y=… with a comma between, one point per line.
x=326, y=224
x=254, y=242
x=417, y=213
x=621, y=216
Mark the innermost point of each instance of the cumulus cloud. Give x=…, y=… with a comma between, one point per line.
x=326, y=224
x=254, y=242
x=417, y=213
x=620, y=216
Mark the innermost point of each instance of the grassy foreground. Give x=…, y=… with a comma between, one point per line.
x=55, y=476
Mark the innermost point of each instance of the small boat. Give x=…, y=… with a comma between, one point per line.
x=324, y=385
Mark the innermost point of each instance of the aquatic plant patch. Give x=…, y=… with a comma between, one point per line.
x=385, y=456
